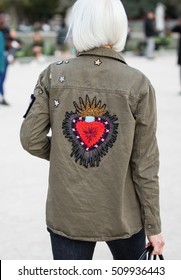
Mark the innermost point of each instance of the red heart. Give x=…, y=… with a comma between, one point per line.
x=90, y=133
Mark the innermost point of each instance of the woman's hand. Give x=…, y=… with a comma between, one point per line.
x=157, y=242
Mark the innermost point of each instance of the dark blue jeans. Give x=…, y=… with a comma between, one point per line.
x=121, y=249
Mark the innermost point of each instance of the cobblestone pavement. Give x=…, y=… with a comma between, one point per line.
x=23, y=179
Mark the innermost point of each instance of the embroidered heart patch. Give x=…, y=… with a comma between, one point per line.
x=90, y=140
x=90, y=133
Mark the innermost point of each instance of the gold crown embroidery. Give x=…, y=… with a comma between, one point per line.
x=90, y=109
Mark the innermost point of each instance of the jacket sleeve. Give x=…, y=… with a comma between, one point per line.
x=145, y=162
x=36, y=125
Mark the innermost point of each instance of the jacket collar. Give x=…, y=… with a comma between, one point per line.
x=104, y=52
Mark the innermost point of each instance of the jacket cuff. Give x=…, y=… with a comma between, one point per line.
x=152, y=229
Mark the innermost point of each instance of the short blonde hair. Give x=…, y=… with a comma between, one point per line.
x=96, y=23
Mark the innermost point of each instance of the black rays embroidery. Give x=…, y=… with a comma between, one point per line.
x=91, y=130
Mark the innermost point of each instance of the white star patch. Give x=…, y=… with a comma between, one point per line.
x=56, y=102
x=98, y=62
x=62, y=79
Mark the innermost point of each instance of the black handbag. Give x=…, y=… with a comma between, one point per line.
x=147, y=254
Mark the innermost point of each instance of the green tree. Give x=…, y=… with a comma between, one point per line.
x=40, y=9
x=37, y=10
x=64, y=5
x=137, y=9
x=173, y=7
x=34, y=10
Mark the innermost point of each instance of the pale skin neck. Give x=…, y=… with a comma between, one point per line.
x=108, y=46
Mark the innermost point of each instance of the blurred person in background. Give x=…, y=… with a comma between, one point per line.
x=38, y=46
x=177, y=29
x=61, y=41
x=150, y=33
x=2, y=64
x=15, y=45
x=6, y=34
x=103, y=153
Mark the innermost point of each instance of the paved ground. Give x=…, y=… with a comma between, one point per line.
x=23, y=179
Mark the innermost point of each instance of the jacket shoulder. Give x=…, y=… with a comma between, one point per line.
x=136, y=82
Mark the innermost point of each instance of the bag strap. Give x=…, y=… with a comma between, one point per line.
x=148, y=252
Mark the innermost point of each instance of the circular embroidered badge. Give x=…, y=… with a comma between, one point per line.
x=91, y=130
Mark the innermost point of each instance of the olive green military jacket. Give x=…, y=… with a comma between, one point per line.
x=103, y=177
